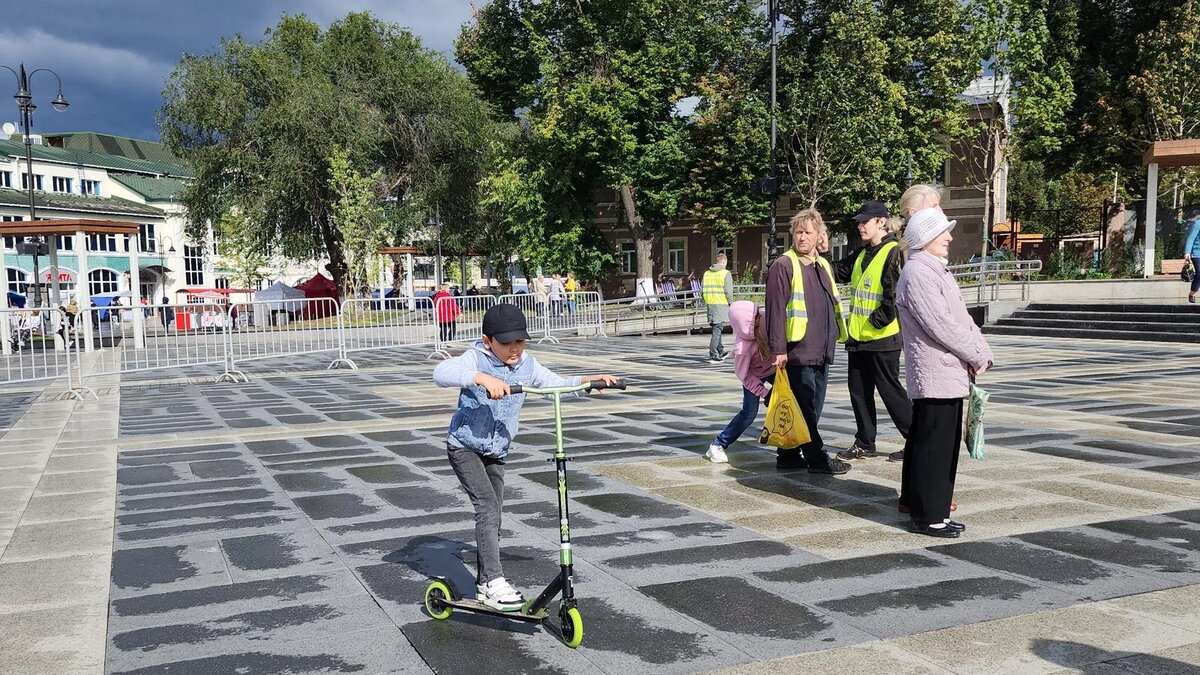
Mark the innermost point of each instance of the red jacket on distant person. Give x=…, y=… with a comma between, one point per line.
x=447, y=310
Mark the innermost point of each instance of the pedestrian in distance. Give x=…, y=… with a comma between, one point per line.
x=446, y=309
x=557, y=294
x=483, y=427
x=804, y=325
x=943, y=351
x=754, y=364
x=1191, y=253
x=873, y=341
x=571, y=287
x=717, y=287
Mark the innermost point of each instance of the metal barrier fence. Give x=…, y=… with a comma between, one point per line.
x=151, y=337
x=459, y=319
x=579, y=314
x=273, y=328
x=388, y=323
x=537, y=314
x=41, y=344
x=48, y=344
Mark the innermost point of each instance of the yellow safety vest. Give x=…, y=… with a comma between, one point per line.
x=797, y=313
x=713, y=287
x=866, y=296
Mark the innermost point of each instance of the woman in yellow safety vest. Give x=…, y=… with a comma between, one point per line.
x=873, y=345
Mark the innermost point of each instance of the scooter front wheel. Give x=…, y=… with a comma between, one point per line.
x=572, y=626
x=436, y=597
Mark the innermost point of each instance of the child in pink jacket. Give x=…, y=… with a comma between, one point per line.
x=753, y=363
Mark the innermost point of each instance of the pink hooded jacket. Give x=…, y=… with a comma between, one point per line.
x=749, y=365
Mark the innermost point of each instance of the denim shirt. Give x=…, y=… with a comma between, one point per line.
x=480, y=423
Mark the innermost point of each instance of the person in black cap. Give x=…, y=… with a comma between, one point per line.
x=874, y=343
x=484, y=426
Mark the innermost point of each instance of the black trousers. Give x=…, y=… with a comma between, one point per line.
x=448, y=330
x=808, y=386
x=867, y=373
x=931, y=458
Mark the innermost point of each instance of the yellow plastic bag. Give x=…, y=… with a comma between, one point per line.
x=785, y=426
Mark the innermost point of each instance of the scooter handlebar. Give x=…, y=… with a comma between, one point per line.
x=595, y=385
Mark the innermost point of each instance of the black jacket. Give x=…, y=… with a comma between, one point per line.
x=886, y=312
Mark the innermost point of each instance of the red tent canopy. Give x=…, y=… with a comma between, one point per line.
x=319, y=286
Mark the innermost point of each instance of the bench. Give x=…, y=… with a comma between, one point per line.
x=1173, y=267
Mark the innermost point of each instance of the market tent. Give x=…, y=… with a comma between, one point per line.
x=317, y=288
x=276, y=293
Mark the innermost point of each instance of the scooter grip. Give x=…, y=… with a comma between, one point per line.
x=514, y=389
x=601, y=384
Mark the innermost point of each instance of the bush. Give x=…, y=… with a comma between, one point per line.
x=1065, y=264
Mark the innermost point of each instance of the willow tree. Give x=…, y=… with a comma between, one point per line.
x=259, y=123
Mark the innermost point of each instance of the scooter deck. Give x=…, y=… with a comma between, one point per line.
x=477, y=606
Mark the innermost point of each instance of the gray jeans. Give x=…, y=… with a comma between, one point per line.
x=483, y=479
x=715, y=349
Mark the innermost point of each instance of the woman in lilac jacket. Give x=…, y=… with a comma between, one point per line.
x=943, y=349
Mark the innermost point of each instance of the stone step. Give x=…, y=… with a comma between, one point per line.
x=1099, y=324
x=1147, y=317
x=1085, y=334
x=1116, y=307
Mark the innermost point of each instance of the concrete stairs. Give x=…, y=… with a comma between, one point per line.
x=1146, y=322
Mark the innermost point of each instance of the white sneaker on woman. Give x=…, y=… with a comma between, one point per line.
x=499, y=594
x=716, y=454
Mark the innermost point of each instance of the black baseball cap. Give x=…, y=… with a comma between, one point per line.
x=504, y=323
x=871, y=209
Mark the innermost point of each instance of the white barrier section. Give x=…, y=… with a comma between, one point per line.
x=41, y=345
x=174, y=335
x=579, y=315
x=459, y=320
x=274, y=328
x=537, y=314
x=380, y=324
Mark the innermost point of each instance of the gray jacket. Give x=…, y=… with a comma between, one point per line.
x=718, y=313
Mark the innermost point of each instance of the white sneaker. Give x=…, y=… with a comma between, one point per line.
x=499, y=594
x=716, y=454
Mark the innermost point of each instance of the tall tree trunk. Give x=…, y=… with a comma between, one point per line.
x=644, y=243
x=337, y=257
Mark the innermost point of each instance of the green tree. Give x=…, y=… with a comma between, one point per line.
x=243, y=250
x=596, y=84
x=359, y=217
x=259, y=122
x=840, y=111
x=1168, y=77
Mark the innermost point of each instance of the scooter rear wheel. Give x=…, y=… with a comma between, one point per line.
x=572, y=626
x=435, y=600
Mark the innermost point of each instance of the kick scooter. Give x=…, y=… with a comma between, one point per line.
x=441, y=599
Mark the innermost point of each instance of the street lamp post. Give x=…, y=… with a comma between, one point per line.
x=436, y=221
x=24, y=99
x=773, y=237
x=160, y=244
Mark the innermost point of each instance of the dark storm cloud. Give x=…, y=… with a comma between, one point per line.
x=114, y=55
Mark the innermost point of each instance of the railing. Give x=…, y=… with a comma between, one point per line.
x=985, y=277
x=41, y=344
x=459, y=319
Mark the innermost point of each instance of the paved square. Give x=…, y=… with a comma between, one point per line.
x=290, y=525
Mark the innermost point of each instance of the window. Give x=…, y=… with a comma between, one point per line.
x=60, y=184
x=627, y=257
x=6, y=179
x=222, y=282
x=10, y=243
x=102, y=242
x=102, y=281
x=676, y=256
x=146, y=241
x=728, y=248
x=89, y=187
x=17, y=280
x=37, y=181
x=193, y=265
x=66, y=242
